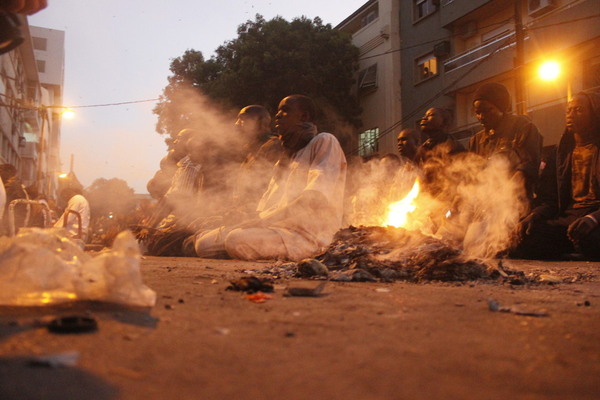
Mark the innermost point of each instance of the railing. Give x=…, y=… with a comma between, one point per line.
x=29, y=203
x=478, y=53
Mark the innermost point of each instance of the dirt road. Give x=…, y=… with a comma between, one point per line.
x=359, y=341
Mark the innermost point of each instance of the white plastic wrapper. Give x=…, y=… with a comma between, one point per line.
x=42, y=266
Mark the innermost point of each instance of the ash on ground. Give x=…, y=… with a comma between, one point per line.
x=372, y=253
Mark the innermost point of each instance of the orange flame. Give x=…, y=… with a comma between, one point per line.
x=398, y=212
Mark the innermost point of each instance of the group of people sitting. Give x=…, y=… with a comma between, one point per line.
x=285, y=199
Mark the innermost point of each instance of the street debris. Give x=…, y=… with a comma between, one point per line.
x=58, y=360
x=305, y=292
x=311, y=267
x=73, y=324
x=494, y=306
x=251, y=284
x=385, y=254
x=40, y=267
x=258, y=297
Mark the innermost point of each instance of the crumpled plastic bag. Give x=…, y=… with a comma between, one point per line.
x=43, y=266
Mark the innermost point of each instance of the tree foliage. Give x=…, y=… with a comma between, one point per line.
x=266, y=62
x=110, y=195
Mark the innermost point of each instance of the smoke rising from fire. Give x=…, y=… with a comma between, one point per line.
x=471, y=203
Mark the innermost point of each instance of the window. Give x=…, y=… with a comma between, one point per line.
x=368, y=142
x=39, y=43
x=370, y=17
x=41, y=65
x=426, y=67
x=367, y=79
x=422, y=8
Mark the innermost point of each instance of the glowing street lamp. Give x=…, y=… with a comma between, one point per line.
x=67, y=113
x=549, y=70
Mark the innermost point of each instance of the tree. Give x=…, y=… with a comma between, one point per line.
x=266, y=62
x=110, y=196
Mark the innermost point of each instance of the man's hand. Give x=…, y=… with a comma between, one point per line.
x=26, y=7
x=525, y=226
x=581, y=227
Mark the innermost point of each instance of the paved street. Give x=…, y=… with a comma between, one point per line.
x=358, y=341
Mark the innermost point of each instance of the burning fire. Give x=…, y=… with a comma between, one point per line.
x=398, y=212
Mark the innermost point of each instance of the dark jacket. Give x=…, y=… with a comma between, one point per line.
x=516, y=137
x=554, y=193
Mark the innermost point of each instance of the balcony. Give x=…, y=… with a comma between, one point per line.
x=497, y=44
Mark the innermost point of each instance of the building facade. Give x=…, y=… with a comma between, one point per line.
x=448, y=48
x=375, y=31
x=29, y=99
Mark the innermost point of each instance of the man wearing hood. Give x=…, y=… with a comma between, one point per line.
x=302, y=207
x=565, y=223
x=514, y=137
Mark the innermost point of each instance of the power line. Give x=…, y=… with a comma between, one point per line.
x=529, y=27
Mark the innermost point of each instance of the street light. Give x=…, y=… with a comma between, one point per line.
x=549, y=70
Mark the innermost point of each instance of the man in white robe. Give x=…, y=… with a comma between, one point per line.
x=303, y=205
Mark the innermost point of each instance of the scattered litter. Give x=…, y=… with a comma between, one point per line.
x=382, y=290
x=223, y=331
x=40, y=267
x=305, y=292
x=585, y=303
x=59, y=360
x=311, y=267
x=258, y=297
x=493, y=305
x=169, y=307
x=73, y=324
x=545, y=278
x=251, y=284
x=214, y=281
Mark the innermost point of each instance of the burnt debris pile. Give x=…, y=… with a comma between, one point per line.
x=373, y=253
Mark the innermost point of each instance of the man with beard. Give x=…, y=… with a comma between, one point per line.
x=513, y=137
x=302, y=207
x=565, y=224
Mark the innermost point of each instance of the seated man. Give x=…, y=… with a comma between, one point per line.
x=302, y=207
x=408, y=141
x=514, y=137
x=439, y=144
x=566, y=220
x=263, y=150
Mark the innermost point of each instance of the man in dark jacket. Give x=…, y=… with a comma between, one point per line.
x=566, y=220
x=514, y=137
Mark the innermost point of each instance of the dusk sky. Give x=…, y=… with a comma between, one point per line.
x=120, y=51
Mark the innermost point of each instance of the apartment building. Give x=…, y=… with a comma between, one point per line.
x=49, y=50
x=19, y=89
x=31, y=81
x=375, y=29
x=447, y=48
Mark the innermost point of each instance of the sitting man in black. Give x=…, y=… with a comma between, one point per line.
x=565, y=223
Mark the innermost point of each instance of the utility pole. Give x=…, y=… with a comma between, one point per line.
x=519, y=61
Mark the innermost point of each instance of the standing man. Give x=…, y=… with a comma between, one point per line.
x=567, y=220
x=302, y=207
x=514, y=137
x=408, y=143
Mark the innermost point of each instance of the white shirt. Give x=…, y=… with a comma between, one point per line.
x=79, y=204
